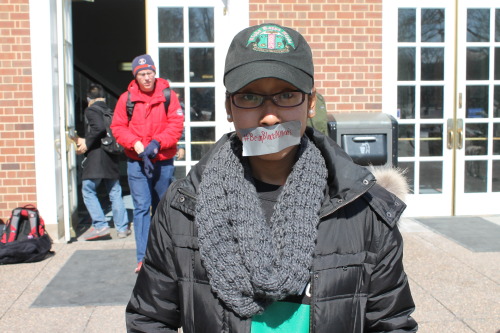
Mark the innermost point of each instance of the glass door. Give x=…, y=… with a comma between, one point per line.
x=445, y=93
x=67, y=118
x=478, y=112
x=419, y=38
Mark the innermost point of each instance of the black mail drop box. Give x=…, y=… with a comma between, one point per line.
x=370, y=138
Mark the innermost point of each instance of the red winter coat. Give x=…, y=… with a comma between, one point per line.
x=149, y=120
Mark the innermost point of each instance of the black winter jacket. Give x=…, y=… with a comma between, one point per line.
x=98, y=163
x=357, y=283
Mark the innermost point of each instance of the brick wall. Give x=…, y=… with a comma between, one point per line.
x=346, y=39
x=17, y=155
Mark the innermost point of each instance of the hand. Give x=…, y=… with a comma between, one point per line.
x=81, y=147
x=181, y=153
x=138, y=147
x=152, y=149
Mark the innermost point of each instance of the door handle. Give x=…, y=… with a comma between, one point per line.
x=70, y=139
x=459, y=138
x=452, y=140
x=460, y=134
x=57, y=146
x=450, y=134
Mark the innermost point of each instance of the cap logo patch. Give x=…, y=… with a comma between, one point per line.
x=142, y=61
x=270, y=38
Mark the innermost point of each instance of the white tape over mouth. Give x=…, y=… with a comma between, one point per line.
x=270, y=139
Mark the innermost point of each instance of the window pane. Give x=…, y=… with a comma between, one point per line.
x=475, y=176
x=496, y=102
x=431, y=140
x=431, y=177
x=202, y=139
x=172, y=67
x=496, y=65
x=201, y=63
x=495, y=186
x=478, y=63
x=180, y=172
x=202, y=104
x=431, y=102
x=496, y=139
x=476, y=102
x=478, y=25
x=406, y=63
x=409, y=168
x=497, y=25
x=406, y=25
x=201, y=25
x=180, y=96
x=476, y=139
x=406, y=142
x=433, y=25
x=170, y=27
x=432, y=63
x=406, y=102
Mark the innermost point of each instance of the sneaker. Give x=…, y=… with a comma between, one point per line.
x=94, y=233
x=124, y=234
x=139, y=266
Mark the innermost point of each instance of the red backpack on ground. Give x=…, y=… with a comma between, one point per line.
x=24, y=238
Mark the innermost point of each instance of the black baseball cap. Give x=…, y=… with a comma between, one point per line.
x=269, y=50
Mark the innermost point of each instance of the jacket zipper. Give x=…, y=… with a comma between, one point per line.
x=188, y=194
x=311, y=306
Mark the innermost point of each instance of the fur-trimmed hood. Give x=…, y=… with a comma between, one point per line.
x=392, y=179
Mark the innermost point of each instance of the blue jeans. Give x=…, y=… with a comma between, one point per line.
x=89, y=191
x=146, y=194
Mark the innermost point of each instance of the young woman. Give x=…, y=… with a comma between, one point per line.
x=275, y=229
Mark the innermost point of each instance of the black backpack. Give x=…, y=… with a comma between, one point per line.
x=130, y=104
x=24, y=238
x=108, y=143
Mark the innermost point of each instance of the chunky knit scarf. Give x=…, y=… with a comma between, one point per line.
x=251, y=263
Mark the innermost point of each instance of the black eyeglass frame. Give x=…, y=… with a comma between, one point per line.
x=266, y=97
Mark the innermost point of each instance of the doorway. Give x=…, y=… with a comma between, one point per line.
x=442, y=92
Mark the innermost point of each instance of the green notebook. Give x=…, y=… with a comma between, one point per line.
x=282, y=317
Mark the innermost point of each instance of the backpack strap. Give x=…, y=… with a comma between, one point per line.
x=13, y=225
x=166, y=93
x=130, y=105
x=33, y=218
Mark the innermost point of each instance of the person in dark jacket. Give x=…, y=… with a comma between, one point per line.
x=100, y=167
x=150, y=137
x=275, y=229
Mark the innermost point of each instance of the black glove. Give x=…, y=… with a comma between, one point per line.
x=152, y=149
x=148, y=165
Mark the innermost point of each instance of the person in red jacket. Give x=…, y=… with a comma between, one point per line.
x=149, y=137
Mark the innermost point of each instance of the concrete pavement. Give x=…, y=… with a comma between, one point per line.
x=455, y=290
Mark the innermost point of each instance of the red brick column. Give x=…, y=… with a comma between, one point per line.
x=346, y=38
x=17, y=153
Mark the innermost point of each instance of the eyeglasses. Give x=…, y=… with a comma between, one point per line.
x=287, y=99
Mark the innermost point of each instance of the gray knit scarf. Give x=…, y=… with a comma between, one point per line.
x=251, y=263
